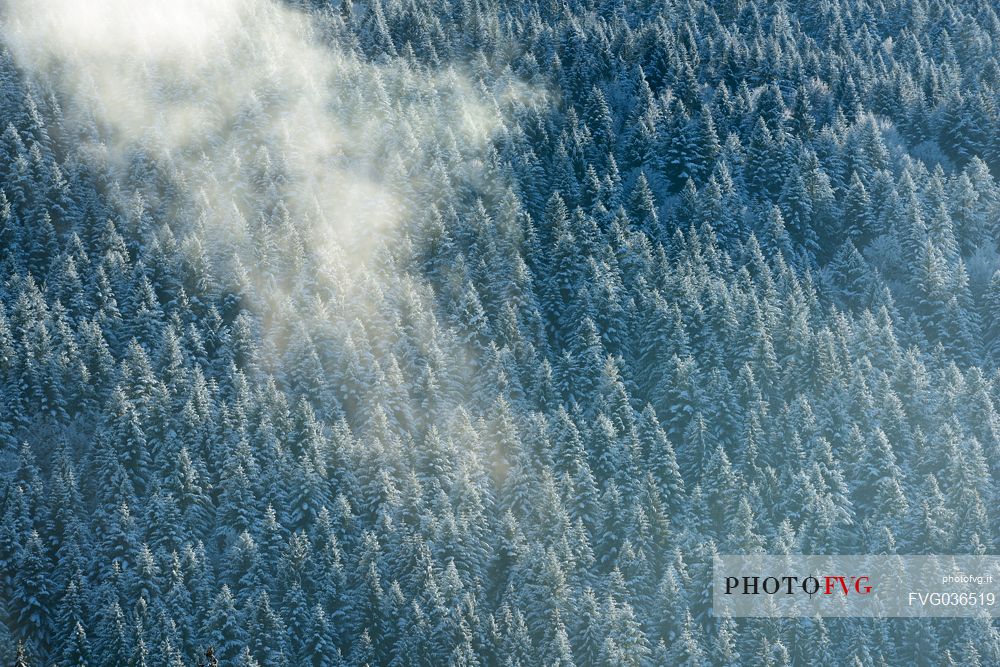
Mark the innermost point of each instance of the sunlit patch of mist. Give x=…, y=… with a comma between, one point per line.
x=282, y=159
x=244, y=109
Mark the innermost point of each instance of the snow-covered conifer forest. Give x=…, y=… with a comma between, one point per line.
x=466, y=332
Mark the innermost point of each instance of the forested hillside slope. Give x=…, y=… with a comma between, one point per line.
x=466, y=332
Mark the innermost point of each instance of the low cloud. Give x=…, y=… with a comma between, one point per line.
x=231, y=114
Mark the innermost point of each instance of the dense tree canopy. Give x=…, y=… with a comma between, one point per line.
x=724, y=280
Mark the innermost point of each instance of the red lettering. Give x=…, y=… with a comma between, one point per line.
x=831, y=585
